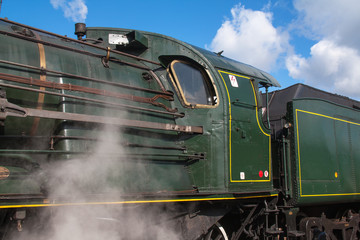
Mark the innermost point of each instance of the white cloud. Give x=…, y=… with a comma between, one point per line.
x=333, y=19
x=334, y=61
x=76, y=10
x=330, y=66
x=250, y=37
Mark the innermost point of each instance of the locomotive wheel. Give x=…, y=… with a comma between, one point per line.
x=347, y=213
x=217, y=232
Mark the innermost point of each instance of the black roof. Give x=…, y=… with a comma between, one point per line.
x=278, y=101
x=279, y=98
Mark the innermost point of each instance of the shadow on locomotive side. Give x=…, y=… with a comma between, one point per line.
x=125, y=134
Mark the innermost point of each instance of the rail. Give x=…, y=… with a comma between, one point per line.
x=63, y=74
x=106, y=103
x=81, y=42
x=72, y=87
x=8, y=109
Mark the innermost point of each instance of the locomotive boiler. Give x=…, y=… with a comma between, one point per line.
x=126, y=122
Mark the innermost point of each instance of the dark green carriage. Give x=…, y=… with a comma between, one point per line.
x=327, y=154
x=319, y=150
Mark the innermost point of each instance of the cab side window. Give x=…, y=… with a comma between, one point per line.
x=193, y=83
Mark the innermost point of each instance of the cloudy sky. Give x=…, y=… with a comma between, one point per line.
x=307, y=41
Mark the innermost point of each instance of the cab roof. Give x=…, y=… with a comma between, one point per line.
x=215, y=60
x=225, y=63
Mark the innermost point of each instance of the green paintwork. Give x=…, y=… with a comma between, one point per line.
x=234, y=123
x=231, y=156
x=326, y=158
x=249, y=140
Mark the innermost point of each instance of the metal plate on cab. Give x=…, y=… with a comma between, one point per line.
x=4, y=173
x=118, y=39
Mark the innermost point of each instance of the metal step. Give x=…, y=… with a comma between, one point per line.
x=274, y=232
x=296, y=233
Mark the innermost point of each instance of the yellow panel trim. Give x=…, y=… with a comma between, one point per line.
x=322, y=115
x=220, y=71
x=134, y=202
x=257, y=119
x=257, y=109
x=258, y=122
x=228, y=95
x=332, y=194
x=298, y=146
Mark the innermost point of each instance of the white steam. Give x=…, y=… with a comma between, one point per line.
x=76, y=10
x=97, y=180
x=90, y=177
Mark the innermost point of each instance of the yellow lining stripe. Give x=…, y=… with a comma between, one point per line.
x=134, y=202
x=322, y=115
x=228, y=95
x=257, y=119
x=269, y=135
x=331, y=194
x=298, y=146
x=257, y=115
x=298, y=143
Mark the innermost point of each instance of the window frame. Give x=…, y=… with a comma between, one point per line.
x=205, y=74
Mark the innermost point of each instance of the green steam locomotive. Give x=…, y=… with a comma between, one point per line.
x=128, y=123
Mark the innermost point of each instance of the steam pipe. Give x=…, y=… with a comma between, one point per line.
x=81, y=42
x=74, y=49
x=86, y=53
x=93, y=79
x=78, y=88
x=92, y=100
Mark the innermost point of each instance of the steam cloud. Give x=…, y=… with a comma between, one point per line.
x=76, y=10
x=77, y=179
x=105, y=165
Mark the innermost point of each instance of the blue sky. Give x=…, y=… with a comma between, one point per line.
x=307, y=41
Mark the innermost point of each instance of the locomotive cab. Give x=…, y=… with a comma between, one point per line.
x=231, y=113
